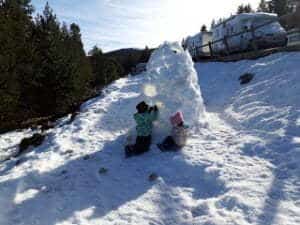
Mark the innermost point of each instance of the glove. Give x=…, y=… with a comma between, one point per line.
x=151, y=109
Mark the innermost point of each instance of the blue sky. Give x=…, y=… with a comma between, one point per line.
x=114, y=24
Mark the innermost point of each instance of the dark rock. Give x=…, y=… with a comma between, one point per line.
x=86, y=157
x=68, y=152
x=35, y=140
x=19, y=162
x=64, y=172
x=152, y=177
x=103, y=170
x=246, y=78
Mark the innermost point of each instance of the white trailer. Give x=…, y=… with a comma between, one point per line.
x=294, y=37
x=244, y=31
x=194, y=43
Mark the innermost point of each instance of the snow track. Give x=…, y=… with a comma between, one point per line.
x=233, y=171
x=264, y=114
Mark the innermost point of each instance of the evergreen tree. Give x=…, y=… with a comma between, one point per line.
x=41, y=89
x=105, y=70
x=280, y=7
x=75, y=33
x=213, y=23
x=16, y=54
x=95, y=50
x=65, y=74
x=112, y=70
x=203, y=28
x=263, y=6
x=248, y=9
x=244, y=9
x=43, y=68
x=145, y=55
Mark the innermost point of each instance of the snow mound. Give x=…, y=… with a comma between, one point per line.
x=172, y=84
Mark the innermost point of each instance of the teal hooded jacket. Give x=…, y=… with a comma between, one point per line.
x=144, y=122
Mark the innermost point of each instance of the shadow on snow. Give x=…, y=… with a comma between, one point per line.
x=77, y=185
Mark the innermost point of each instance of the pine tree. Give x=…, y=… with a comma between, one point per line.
x=95, y=50
x=280, y=7
x=16, y=54
x=44, y=70
x=203, y=28
x=244, y=9
x=213, y=23
x=145, y=55
x=248, y=9
x=42, y=88
x=62, y=72
x=240, y=9
x=105, y=70
x=263, y=6
x=112, y=70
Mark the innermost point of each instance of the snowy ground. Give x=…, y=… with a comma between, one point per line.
x=242, y=168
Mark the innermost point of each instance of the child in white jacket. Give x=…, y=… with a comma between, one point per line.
x=179, y=135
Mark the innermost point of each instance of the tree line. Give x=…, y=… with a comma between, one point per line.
x=44, y=70
x=280, y=7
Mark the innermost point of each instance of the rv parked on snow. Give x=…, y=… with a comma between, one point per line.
x=194, y=43
x=246, y=31
x=294, y=37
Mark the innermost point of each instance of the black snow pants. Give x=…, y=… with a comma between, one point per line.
x=142, y=144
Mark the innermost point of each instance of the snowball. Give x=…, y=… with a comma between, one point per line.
x=172, y=84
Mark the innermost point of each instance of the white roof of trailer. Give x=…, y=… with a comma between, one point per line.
x=250, y=16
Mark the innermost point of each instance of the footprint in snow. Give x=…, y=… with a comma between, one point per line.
x=200, y=210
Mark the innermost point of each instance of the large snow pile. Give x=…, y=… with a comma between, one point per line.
x=243, y=168
x=172, y=84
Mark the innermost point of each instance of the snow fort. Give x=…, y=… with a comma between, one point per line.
x=172, y=84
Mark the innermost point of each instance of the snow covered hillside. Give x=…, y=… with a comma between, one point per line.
x=266, y=116
x=242, y=167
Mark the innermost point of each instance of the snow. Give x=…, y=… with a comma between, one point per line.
x=265, y=113
x=171, y=73
x=241, y=168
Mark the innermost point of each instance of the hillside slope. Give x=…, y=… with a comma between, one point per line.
x=267, y=111
x=242, y=167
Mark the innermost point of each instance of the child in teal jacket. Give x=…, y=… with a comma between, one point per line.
x=144, y=119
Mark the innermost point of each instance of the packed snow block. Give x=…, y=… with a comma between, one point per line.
x=172, y=84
